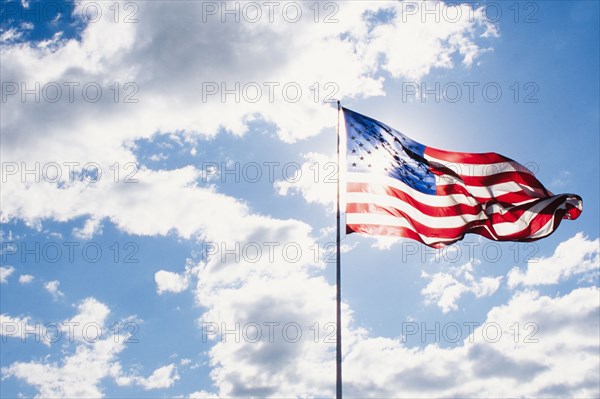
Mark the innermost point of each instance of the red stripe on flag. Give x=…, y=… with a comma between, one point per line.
x=380, y=189
x=511, y=197
x=465, y=157
x=482, y=181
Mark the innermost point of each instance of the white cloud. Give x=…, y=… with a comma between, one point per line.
x=120, y=203
x=315, y=181
x=52, y=288
x=78, y=376
x=185, y=361
x=244, y=365
x=92, y=227
x=85, y=327
x=80, y=372
x=561, y=179
x=385, y=242
x=91, y=313
x=349, y=54
x=158, y=157
x=577, y=255
x=530, y=365
x=446, y=288
x=26, y=25
x=202, y=395
x=345, y=248
x=163, y=377
x=427, y=43
x=254, y=363
x=5, y=272
x=25, y=278
x=170, y=282
x=272, y=288
x=20, y=327
x=10, y=35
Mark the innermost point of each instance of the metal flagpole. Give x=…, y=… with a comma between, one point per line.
x=338, y=349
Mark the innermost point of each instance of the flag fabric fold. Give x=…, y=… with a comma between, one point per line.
x=396, y=186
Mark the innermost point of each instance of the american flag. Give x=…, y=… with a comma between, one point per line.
x=398, y=187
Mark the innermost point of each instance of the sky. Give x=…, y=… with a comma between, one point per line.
x=168, y=199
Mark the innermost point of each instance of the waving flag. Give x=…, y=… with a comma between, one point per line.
x=398, y=187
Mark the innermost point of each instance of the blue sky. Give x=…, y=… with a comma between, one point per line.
x=201, y=173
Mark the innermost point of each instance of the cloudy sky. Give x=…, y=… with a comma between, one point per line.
x=168, y=188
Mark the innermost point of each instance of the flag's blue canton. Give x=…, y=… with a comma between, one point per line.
x=374, y=147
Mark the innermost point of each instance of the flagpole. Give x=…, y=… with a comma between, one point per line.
x=338, y=349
